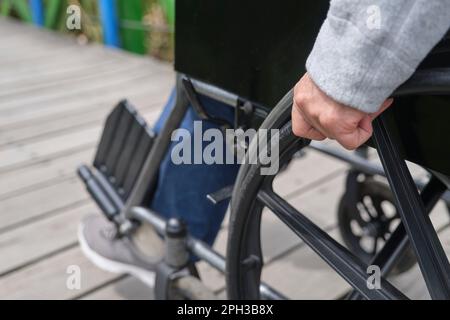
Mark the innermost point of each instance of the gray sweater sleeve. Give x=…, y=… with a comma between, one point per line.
x=367, y=48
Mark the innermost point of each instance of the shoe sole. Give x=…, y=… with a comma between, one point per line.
x=147, y=277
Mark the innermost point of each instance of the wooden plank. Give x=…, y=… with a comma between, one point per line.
x=70, y=69
x=31, y=242
x=14, y=47
x=16, y=156
x=303, y=172
x=86, y=89
x=145, y=88
x=33, y=205
x=41, y=174
x=39, y=55
x=48, y=279
x=63, y=63
x=29, y=114
x=303, y=275
x=45, y=56
x=13, y=27
x=79, y=81
x=44, y=172
x=35, y=37
x=49, y=129
x=42, y=129
x=58, y=59
x=12, y=117
x=55, y=41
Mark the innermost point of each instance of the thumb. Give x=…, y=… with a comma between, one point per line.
x=383, y=108
x=364, y=130
x=359, y=136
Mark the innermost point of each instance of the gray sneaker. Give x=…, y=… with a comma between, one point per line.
x=100, y=243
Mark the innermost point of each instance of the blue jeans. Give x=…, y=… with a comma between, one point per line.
x=181, y=189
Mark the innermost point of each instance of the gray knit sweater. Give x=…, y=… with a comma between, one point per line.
x=367, y=48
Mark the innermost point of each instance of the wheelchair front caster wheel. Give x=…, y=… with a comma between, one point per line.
x=367, y=219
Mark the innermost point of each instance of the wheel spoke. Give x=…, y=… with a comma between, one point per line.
x=430, y=254
x=361, y=211
x=378, y=208
x=372, y=212
x=356, y=229
x=375, y=245
x=252, y=257
x=339, y=258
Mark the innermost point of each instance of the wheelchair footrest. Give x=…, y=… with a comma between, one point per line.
x=124, y=146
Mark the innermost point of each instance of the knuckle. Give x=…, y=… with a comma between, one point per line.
x=299, y=99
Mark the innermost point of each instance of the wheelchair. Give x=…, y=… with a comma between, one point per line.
x=249, y=65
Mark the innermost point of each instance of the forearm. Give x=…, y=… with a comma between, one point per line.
x=366, y=49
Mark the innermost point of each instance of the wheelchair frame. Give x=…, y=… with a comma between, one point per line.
x=416, y=227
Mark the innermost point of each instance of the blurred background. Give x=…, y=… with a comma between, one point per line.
x=139, y=26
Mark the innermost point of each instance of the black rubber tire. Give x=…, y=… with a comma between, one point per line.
x=243, y=201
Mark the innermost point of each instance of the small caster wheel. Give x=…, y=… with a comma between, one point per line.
x=367, y=219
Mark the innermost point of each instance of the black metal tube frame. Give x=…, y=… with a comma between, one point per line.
x=362, y=164
x=197, y=248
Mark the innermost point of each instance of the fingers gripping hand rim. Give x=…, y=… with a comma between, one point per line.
x=303, y=128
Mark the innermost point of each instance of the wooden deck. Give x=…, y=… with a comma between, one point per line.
x=54, y=96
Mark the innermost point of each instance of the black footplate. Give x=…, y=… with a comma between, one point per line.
x=124, y=146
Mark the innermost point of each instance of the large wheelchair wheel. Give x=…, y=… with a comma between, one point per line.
x=244, y=253
x=253, y=192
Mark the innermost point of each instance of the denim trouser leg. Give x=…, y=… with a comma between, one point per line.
x=181, y=190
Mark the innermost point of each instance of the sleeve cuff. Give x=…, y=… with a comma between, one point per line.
x=352, y=69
